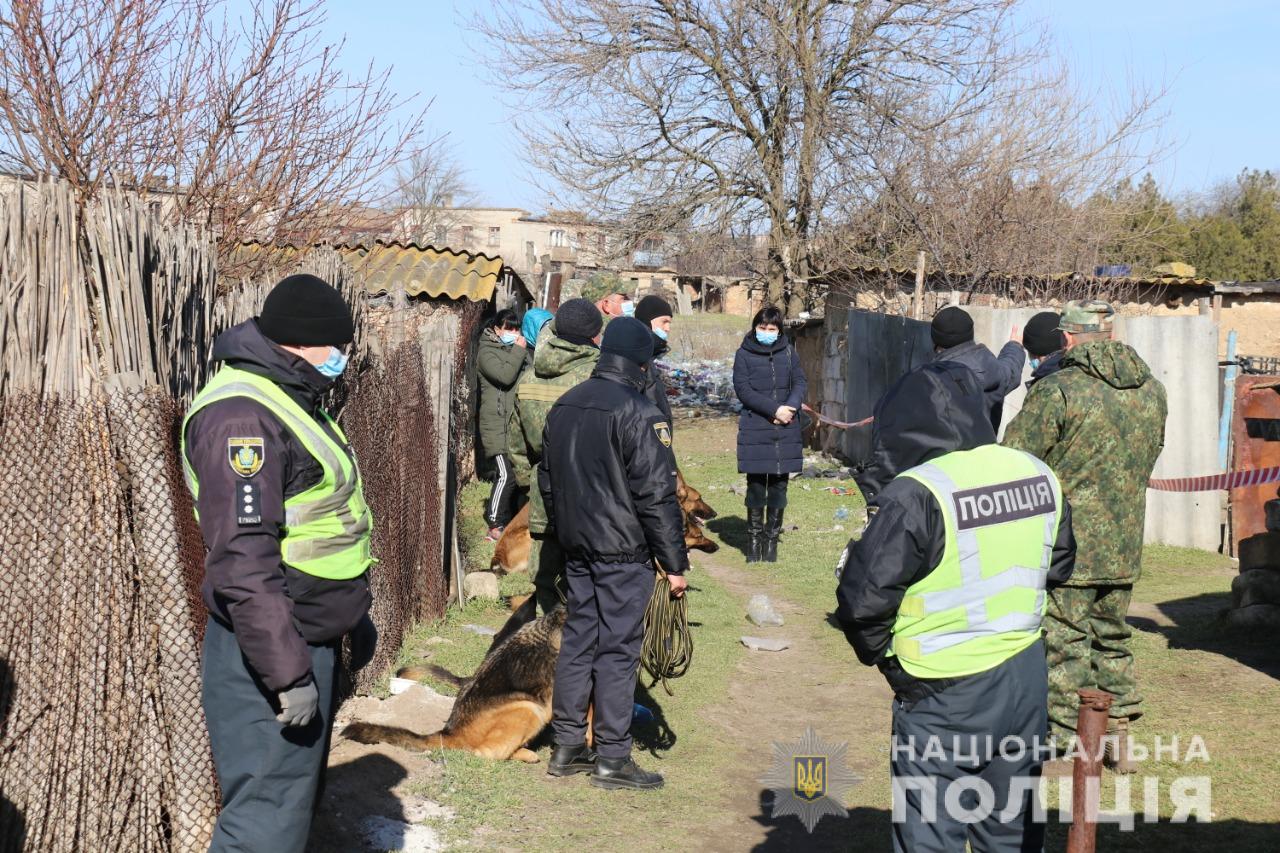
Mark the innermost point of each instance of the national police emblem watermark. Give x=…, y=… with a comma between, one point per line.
x=809, y=779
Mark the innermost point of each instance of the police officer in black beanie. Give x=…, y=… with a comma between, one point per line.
x=1045, y=345
x=952, y=333
x=287, y=543
x=655, y=312
x=608, y=481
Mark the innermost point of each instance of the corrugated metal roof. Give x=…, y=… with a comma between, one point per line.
x=425, y=270
x=933, y=275
x=420, y=270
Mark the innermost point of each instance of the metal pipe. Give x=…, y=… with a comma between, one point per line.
x=1086, y=774
x=1228, y=403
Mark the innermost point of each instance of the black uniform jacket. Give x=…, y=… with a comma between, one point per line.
x=934, y=410
x=273, y=610
x=608, y=476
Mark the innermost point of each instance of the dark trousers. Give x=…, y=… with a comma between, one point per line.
x=269, y=774
x=767, y=490
x=968, y=722
x=600, y=653
x=501, y=505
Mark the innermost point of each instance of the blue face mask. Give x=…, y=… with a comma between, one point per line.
x=661, y=333
x=1035, y=362
x=628, y=308
x=334, y=364
x=508, y=338
x=767, y=338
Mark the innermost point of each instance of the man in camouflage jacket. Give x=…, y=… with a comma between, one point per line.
x=565, y=355
x=1099, y=424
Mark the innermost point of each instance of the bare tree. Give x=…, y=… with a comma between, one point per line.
x=246, y=125
x=432, y=186
x=787, y=118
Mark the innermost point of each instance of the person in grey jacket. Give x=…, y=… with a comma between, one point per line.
x=952, y=333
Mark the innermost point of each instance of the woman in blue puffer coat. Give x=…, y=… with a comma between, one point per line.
x=769, y=382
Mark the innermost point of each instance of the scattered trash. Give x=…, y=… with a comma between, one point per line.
x=400, y=685
x=641, y=714
x=760, y=610
x=699, y=383
x=842, y=513
x=806, y=487
x=842, y=491
x=481, y=630
x=761, y=644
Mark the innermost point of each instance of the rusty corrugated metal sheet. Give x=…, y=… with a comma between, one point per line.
x=1256, y=397
x=420, y=270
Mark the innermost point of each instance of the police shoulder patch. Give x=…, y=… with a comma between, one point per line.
x=246, y=455
x=664, y=433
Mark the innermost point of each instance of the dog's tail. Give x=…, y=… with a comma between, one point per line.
x=403, y=738
x=439, y=673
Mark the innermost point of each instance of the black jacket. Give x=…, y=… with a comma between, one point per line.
x=273, y=610
x=608, y=476
x=997, y=375
x=934, y=410
x=764, y=378
x=1048, y=366
x=655, y=387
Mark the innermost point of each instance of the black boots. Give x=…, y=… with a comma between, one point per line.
x=623, y=773
x=568, y=760
x=755, y=533
x=772, y=529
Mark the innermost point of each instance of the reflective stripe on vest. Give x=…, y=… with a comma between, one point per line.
x=985, y=600
x=327, y=528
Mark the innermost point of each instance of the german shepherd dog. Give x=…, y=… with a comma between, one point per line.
x=511, y=554
x=503, y=706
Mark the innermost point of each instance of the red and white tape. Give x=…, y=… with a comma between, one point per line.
x=1217, y=482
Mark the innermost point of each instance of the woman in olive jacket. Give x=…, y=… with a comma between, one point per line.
x=501, y=359
x=770, y=383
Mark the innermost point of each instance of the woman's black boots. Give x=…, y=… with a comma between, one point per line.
x=755, y=533
x=772, y=529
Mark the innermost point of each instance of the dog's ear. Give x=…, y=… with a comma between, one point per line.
x=523, y=615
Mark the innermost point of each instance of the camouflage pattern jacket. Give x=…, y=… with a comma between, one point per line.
x=1099, y=424
x=558, y=365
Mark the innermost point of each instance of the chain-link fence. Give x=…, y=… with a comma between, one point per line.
x=104, y=336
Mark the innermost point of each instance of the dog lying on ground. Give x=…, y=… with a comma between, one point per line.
x=503, y=706
x=511, y=554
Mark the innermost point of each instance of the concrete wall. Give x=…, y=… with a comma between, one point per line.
x=1183, y=354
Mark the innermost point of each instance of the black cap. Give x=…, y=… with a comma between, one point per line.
x=629, y=338
x=1041, y=336
x=651, y=308
x=303, y=310
x=578, y=320
x=951, y=327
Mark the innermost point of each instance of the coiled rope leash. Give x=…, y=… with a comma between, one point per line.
x=667, y=649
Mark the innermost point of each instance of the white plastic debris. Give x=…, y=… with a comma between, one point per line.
x=762, y=644
x=400, y=685
x=760, y=611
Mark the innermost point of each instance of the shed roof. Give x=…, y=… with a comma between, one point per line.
x=420, y=270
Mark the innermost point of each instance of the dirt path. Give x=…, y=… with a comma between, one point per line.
x=774, y=696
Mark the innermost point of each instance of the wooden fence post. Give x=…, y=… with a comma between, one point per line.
x=917, y=300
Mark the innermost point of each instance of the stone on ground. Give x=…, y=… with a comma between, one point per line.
x=482, y=585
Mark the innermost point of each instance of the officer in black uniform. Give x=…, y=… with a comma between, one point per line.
x=608, y=480
x=269, y=469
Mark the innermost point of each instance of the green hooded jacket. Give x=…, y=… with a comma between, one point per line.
x=1099, y=424
x=557, y=366
x=498, y=368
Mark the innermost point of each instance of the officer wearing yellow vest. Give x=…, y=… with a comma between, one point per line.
x=945, y=593
x=286, y=532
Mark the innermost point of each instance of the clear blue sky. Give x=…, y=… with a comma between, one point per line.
x=1218, y=59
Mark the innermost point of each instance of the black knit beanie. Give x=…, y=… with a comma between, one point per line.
x=1041, y=336
x=303, y=310
x=951, y=327
x=651, y=308
x=578, y=321
x=629, y=338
